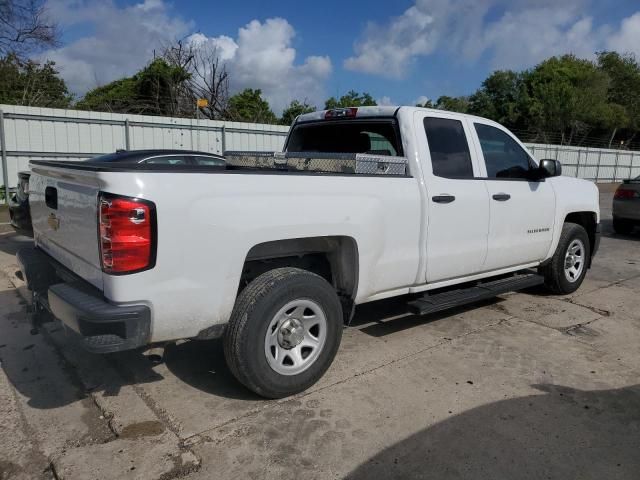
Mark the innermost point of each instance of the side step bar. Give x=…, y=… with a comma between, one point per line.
x=430, y=303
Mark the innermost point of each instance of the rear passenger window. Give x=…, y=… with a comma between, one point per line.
x=210, y=161
x=450, y=157
x=503, y=156
x=167, y=160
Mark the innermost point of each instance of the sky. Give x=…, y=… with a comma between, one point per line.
x=401, y=51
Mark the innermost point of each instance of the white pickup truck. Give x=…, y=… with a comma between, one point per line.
x=274, y=251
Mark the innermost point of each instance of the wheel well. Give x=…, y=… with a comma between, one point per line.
x=588, y=222
x=334, y=258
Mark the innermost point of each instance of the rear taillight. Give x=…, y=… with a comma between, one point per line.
x=127, y=234
x=625, y=194
x=350, y=112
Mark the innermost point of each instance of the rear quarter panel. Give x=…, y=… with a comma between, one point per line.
x=207, y=223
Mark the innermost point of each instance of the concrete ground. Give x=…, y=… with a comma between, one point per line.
x=5, y=225
x=524, y=386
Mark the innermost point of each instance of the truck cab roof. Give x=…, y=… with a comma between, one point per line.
x=374, y=112
x=358, y=112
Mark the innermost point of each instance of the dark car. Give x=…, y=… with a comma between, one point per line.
x=19, y=204
x=626, y=206
x=161, y=157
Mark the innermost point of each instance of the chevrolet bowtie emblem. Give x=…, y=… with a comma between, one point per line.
x=53, y=221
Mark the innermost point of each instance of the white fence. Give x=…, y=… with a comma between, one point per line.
x=35, y=133
x=597, y=164
x=30, y=133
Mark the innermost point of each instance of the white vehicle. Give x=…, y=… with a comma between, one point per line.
x=274, y=251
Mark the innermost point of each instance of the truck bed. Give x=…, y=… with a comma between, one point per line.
x=208, y=220
x=267, y=162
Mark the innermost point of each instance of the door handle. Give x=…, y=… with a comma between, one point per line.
x=443, y=198
x=501, y=197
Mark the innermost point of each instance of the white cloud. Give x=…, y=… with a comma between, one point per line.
x=521, y=39
x=385, y=102
x=121, y=42
x=509, y=34
x=421, y=100
x=262, y=57
x=627, y=39
x=427, y=26
x=407, y=36
x=225, y=46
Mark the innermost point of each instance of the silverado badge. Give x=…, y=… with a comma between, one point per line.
x=53, y=221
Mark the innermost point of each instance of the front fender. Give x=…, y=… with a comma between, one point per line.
x=573, y=195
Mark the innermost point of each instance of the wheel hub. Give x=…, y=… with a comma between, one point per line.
x=574, y=260
x=295, y=336
x=290, y=333
x=570, y=261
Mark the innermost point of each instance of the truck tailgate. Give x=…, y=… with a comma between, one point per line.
x=63, y=205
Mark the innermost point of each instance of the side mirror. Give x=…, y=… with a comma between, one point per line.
x=549, y=168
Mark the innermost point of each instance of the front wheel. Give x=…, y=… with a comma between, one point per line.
x=568, y=266
x=284, y=332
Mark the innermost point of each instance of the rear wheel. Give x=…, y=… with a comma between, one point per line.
x=568, y=266
x=284, y=332
x=623, y=227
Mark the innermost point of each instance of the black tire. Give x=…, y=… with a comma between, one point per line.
x=622, y=227
x=553, y=272
x=256, y=306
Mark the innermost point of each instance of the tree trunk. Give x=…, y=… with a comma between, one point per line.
x=571, y=132
x=584, y=137
x=613, y=134
x=630, y=139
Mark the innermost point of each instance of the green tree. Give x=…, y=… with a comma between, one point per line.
x=453, y=104
x=351, y=99
x=154, y=90
x=563, y=99
x=568, y=95
x=426, y=104
x=294, y=109
x=32, y=84
x=615, y=118
x=502, y=97
x=624, y=91
x=249, y=106
x=445, y=102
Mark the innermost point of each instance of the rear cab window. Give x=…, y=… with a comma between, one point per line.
x=372, y=136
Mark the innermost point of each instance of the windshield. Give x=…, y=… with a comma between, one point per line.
x=377, y=137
